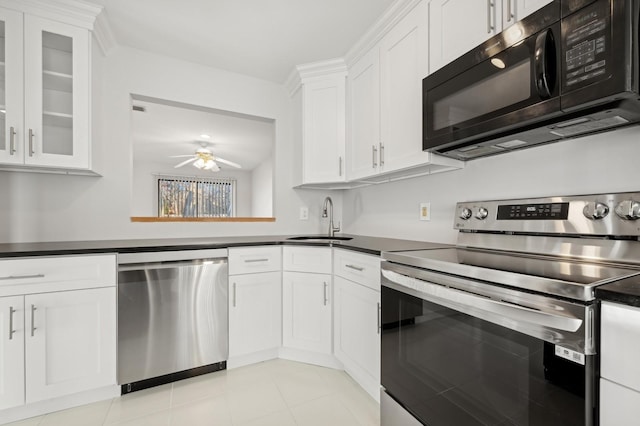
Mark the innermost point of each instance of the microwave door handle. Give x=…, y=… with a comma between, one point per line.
x=544, y=64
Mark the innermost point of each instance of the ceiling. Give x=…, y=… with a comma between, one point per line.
x=169, y=129
x=259, y=38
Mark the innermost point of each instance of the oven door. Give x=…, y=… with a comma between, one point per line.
x=450, y=358
x=516, y=86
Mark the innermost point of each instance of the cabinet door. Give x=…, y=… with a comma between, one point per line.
x=457, y=26
x=70, y=342
x=11, y=351
x=364, y=108
x=403, y=65
x=56, y=94
x=11, y=86
x=357, y=331
x=306, y=311
x=324, y=129
x=618, y=405
x=255, y=314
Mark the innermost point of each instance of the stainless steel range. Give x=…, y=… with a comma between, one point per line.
x=502, y=328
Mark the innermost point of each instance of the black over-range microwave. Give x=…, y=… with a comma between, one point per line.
x=569, y=69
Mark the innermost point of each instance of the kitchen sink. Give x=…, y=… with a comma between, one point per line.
x=319, y=238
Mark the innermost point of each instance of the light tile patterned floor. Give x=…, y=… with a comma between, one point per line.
x=272, y=393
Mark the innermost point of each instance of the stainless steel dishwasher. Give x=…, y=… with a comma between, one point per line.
x=172, y=316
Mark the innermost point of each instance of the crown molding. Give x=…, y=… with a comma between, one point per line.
x=398, y=10
x=104, y=34
x=75, y=12
x=306, y=72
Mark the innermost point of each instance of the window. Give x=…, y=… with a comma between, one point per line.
x=196, y=197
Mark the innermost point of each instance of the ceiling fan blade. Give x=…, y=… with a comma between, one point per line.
x=227, y=162
x=185, y=162
x=181, y=156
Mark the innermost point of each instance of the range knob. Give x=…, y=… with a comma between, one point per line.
x=628, y=210
x=465, y=214
x=595, y=211
x=482, y=213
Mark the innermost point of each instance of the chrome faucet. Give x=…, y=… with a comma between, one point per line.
x=328, y=204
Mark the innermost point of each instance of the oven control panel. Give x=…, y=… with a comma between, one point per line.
x=600, y=214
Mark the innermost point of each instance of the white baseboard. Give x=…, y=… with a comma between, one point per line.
x=253, y=358
x=323, y=360
x=56, y=404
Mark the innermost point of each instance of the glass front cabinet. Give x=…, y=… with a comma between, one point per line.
x=44, y=93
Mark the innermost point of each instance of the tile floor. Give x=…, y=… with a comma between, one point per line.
x=272, y=393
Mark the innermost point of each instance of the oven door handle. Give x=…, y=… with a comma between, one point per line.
x=497, y=311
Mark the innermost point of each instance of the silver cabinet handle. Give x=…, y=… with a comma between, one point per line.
x=381, y=154
x=234, y=295
x=325, y=293
x=31, y=135
x=357, y=268
x=489, y=7
x=33, y=314
x=374, y=154
x=11, y=330
x=21, y=277
x=340, y=166
x=12, y=140
x=379, y=317
x=255, y=260
x=509, y=11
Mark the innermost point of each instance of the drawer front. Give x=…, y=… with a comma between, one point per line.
x=361, y=268
x=307, y=259
x=56, y=273
x=248, y=260
x=620, y=344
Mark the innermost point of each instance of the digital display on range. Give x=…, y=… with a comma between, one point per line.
x=547, y=211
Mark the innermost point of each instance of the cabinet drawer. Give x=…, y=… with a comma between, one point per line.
x=620, y=348
x=307, y=259
x=247, y=260
x=57, y=273
x=361, y=268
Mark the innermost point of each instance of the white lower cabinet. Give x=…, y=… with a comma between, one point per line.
x=255, y=313
x=68, y=342
x=619, y=369
x=356, y=317
x=11, y=351
x=57, y=333
x=306, y=311
x=59, y=344
x=255, y=304
x=357, y=332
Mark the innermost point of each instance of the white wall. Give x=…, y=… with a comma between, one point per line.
x=601, y=163
x=262, y=194
x=39, y=207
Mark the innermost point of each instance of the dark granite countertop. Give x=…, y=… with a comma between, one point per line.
x=626, y=292
x=365, y=244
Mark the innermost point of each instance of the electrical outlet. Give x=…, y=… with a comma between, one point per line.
x=304, y=213
x=425, y=211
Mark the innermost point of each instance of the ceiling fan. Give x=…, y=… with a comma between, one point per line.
x=204, y=159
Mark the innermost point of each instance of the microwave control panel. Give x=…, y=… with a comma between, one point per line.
x=586, y=42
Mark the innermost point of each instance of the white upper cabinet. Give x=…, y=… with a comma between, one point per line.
x=323, y=101
x=403, y=65
x=385, y=105
x=364, y=117
x=45, y=93
x=457, y=26
x=11, y=87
